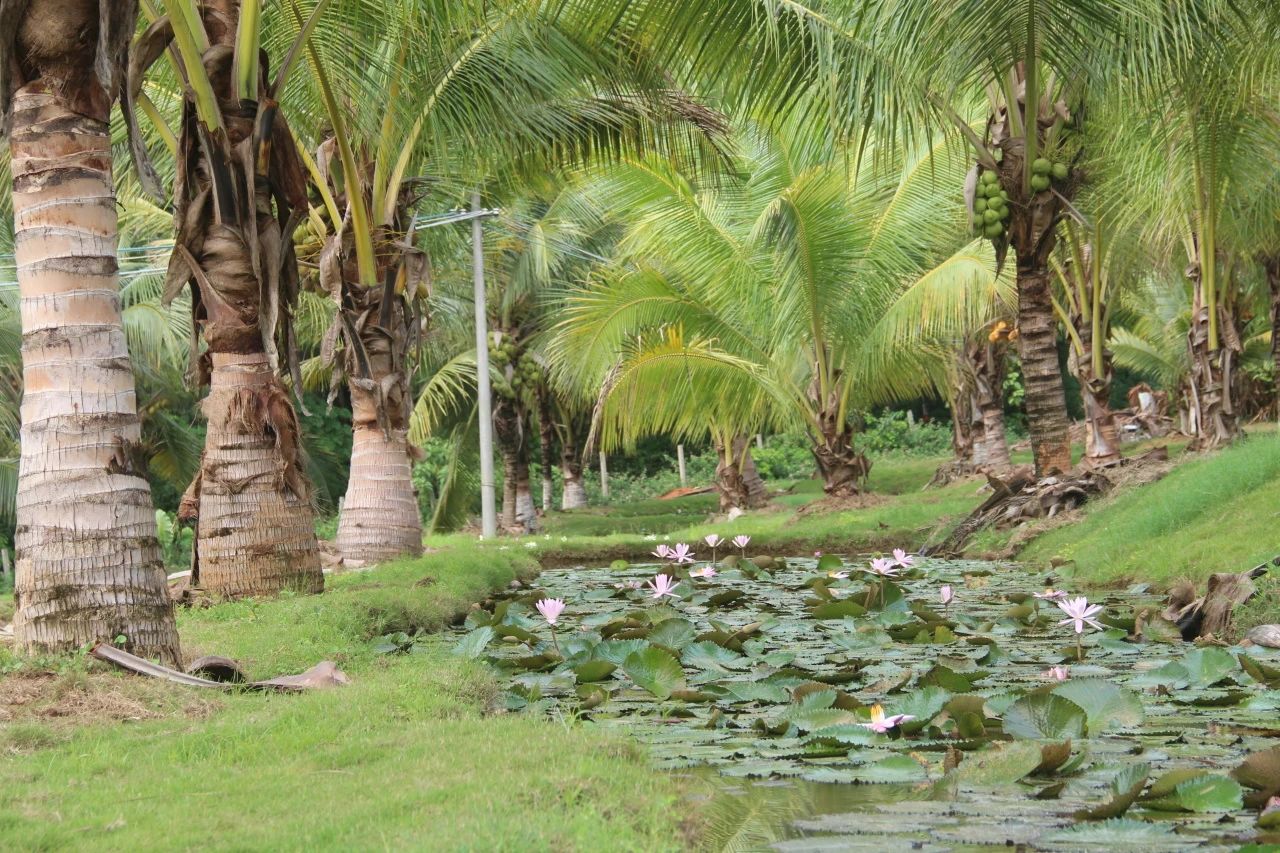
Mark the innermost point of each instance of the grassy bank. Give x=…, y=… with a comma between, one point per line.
x=405, y=757
x=1215, y=513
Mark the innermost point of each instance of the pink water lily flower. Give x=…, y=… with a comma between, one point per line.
x=880, y=723
x=1057, y=673
x=704, y=572
x=680, y=553
x=713, y=540
x=947, y=594
x=662, y=552
x=884, y=567
x=1080, y=612
x=662, y=585
x=903, y=559
x=741, y=540
x=550, y=608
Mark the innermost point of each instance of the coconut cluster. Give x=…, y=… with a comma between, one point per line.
x=519, y=369
x=990, y=207
x=991, y=202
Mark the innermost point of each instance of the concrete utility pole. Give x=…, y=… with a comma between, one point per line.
x=488, y=501
x=604, y=476
x=680, y=462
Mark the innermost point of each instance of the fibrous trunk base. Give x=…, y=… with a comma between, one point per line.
x=256, y=532
x=380, y=518
x=88, y=562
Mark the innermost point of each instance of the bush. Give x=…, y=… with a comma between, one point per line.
x=785, y=457
x=890, y=433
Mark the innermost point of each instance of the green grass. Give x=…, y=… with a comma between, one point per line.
x=1218, y=513
x=906, y=519
x=406, y=757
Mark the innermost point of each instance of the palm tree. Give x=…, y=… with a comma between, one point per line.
x=1182, y=148
x=88, y=562
x=239, y=191
x=763, y=297
x=1087, y=269
x=1038, y=65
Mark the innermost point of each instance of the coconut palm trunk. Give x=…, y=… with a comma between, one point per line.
x=380, y=518
x=965, y=422
x=1102, y=443
x=88, y=562
x=1272, y=266
x=1045, y=398
x=841, y=467
x=737, y=479
x=571, y=443
x=1031, y=232
x=546, y=446
x=255, y=531
x=509, y=425
x=1211, y=411
x=991, y=445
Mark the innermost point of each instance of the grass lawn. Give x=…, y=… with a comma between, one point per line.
x=405, y=757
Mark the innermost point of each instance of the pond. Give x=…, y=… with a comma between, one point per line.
x=766, y=684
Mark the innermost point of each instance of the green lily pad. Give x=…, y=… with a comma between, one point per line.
x=1000, y=765
x=1116, y=834
x=617, y=651
x=756, y=691
x=1209, y=793
x=655, y=670
x=1106, y=705
x=839, y=610
x=1209, y=665
x=829, y=563
x=709, y=656
x=673, y=633
x=594, y=670
x=895, y=768
x=1126, y=787
x=923, y=704
x=1045, y=716
x=473, y=644
x=1261, y=672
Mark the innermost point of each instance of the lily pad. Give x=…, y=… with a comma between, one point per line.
x=1106, y=705
x=1116, y=834
x=675, y=634
x=1126, y=787
x=655, y=670
x=473, y=644
x=839, y=610
x=1261, y=771
x=594, y=670
x=709, y=656
x=1261, y=672
x=1208, y=793
x=1000, y=765
x=1045, y=716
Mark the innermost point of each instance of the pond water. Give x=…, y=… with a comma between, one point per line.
x=758, y=685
